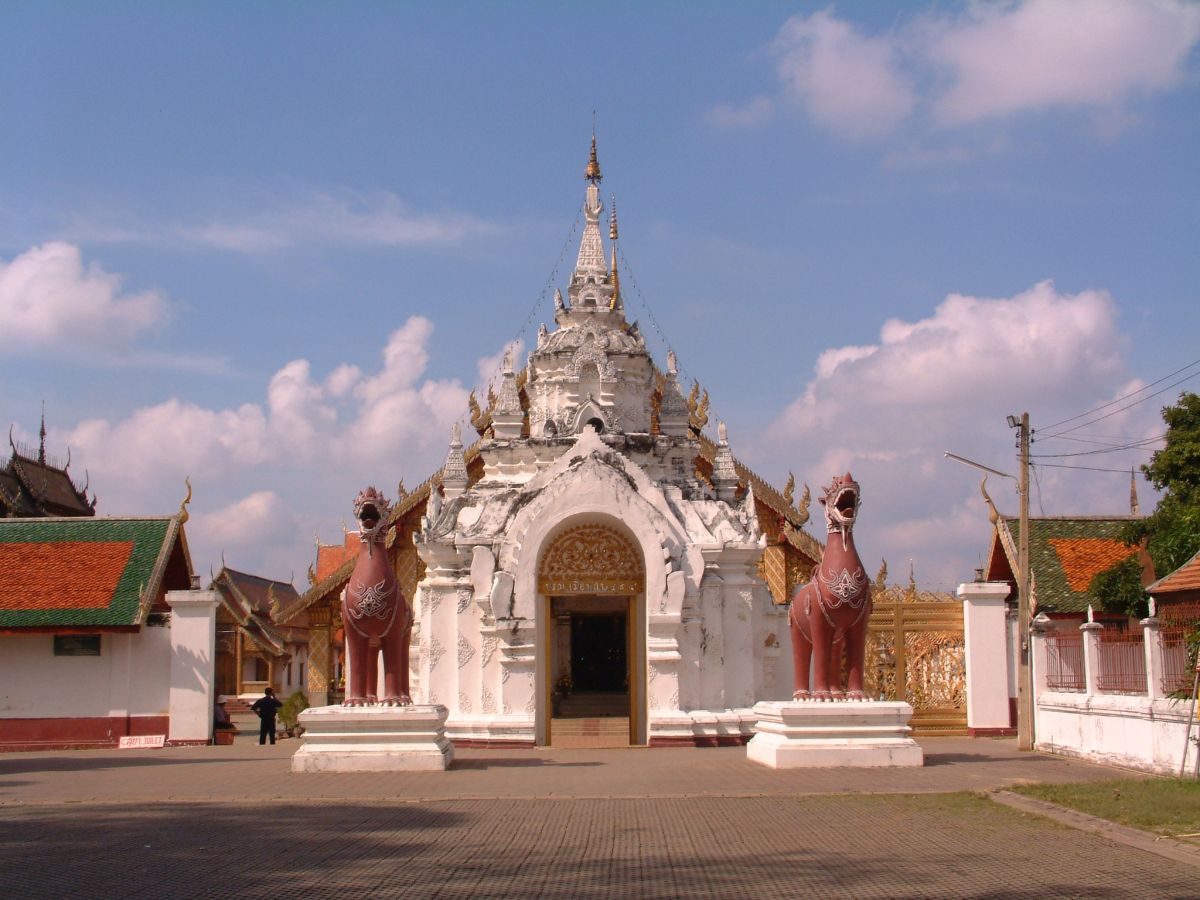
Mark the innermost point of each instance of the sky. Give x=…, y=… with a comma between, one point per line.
x=272, y=247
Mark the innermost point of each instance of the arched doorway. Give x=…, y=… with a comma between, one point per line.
x=592, y=582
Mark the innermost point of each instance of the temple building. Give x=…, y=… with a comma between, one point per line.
x=252, y=652
x=34, y=485
x=595, y=566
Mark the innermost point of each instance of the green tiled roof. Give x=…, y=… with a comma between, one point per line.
x=33, y=594
x=1052, y=588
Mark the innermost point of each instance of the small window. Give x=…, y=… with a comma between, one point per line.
x=77, y=645
x=677, y=462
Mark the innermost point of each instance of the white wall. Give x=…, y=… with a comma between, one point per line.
x=1114, y=729
x=129, y=677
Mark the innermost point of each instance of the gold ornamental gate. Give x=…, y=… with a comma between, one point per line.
x=916, y=652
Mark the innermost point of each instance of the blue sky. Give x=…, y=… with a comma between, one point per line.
x=273, y=247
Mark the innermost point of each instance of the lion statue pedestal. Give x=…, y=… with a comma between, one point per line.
x=373, y=739
x=796, y=734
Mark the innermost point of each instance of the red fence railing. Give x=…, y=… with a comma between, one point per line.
x=1064, y=661
x=1122, y=661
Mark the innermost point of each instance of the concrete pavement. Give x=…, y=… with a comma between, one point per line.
x=234, y=821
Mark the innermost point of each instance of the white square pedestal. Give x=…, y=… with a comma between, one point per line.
x=796, y=734
x=373, y=739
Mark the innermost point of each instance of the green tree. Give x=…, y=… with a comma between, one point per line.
x=1172, y=531
x=1120, y=591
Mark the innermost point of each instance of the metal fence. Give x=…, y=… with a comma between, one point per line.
x=1064, y=661
x=1178, y=621
x=1122, y=661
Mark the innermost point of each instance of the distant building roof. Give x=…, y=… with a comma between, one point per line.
x=1065, y=553
x=254, y=602
x=36, y=485
x=1185, y=578
x=71, y=572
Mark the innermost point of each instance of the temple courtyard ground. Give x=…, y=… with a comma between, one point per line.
x=234, y=821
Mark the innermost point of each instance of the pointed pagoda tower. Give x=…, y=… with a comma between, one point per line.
x=594, y=556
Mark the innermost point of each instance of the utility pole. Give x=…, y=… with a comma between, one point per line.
x=1024, y=673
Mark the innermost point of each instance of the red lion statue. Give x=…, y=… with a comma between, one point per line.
x=830, y=613
x=375, y=613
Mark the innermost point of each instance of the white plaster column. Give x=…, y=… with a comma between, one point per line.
x=1039, y=654
x=987, y=654
x=1152, y=636
x=1091, y=656
x=193, y=655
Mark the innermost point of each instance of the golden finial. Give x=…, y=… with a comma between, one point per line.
x=183, y=513
x=805, y=502
x=789, y=490
x=593, y=167
x=612, y=220
x=881, y=577
x=993, y=515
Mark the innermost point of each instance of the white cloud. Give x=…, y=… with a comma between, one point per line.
x=307, y=218
x=888, y=411
x=987, y=62
x=754, y=112
x=49, y=300
x=259, y=517
x=1059, y=53
x=266, y=473
x=849, y=82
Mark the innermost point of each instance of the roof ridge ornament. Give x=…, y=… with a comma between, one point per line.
x=183, y=513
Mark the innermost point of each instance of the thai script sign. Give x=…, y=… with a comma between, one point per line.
x=560, y=586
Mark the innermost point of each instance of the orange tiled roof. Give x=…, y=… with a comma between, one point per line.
x=1083, y=558
x=331, y=557
x=81, y=571
x=33, y=576
x=1185, y=578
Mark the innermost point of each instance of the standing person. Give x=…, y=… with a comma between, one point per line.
x=266, y=706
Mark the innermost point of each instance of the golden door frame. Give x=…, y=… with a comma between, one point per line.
x=595, y=560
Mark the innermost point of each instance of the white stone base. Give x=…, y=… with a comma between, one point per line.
x=795, y=734
x=373, y=739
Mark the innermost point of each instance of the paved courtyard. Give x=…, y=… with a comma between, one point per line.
x=234, y=821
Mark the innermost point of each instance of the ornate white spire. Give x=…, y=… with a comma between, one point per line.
x=454, y=471
x=591, y=249
x=724, y=476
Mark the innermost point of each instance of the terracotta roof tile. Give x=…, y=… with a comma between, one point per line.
x=33, y=576
x=84, y=571
x=331, y=557
x=1185, y=578
x=1083, y=558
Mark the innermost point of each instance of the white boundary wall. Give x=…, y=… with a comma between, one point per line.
x=1147, y=732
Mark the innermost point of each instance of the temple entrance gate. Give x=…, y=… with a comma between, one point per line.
x=592, y=583
x=916, y=652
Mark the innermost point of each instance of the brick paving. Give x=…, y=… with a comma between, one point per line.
x=233, y=821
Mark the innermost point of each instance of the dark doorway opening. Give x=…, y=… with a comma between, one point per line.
x=599, y=653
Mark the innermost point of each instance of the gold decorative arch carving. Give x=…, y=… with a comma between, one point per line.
x=591, y=559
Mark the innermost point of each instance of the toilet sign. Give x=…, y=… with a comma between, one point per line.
x=142, y=741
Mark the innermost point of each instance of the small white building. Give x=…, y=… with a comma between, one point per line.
x=101, y=636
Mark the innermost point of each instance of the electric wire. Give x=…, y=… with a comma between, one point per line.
x=1119, y=409
x=1190, y=365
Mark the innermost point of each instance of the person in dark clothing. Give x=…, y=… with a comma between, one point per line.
x=266, y=706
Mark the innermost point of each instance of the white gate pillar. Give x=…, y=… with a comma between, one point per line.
x=193, y=655
x=984, y=631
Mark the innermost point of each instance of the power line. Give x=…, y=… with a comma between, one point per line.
x=1127, y=396
x=1122, y=408
x=1142, y=445
x=1086, y=468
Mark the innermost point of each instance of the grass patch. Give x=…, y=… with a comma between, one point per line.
x=1159, y=805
